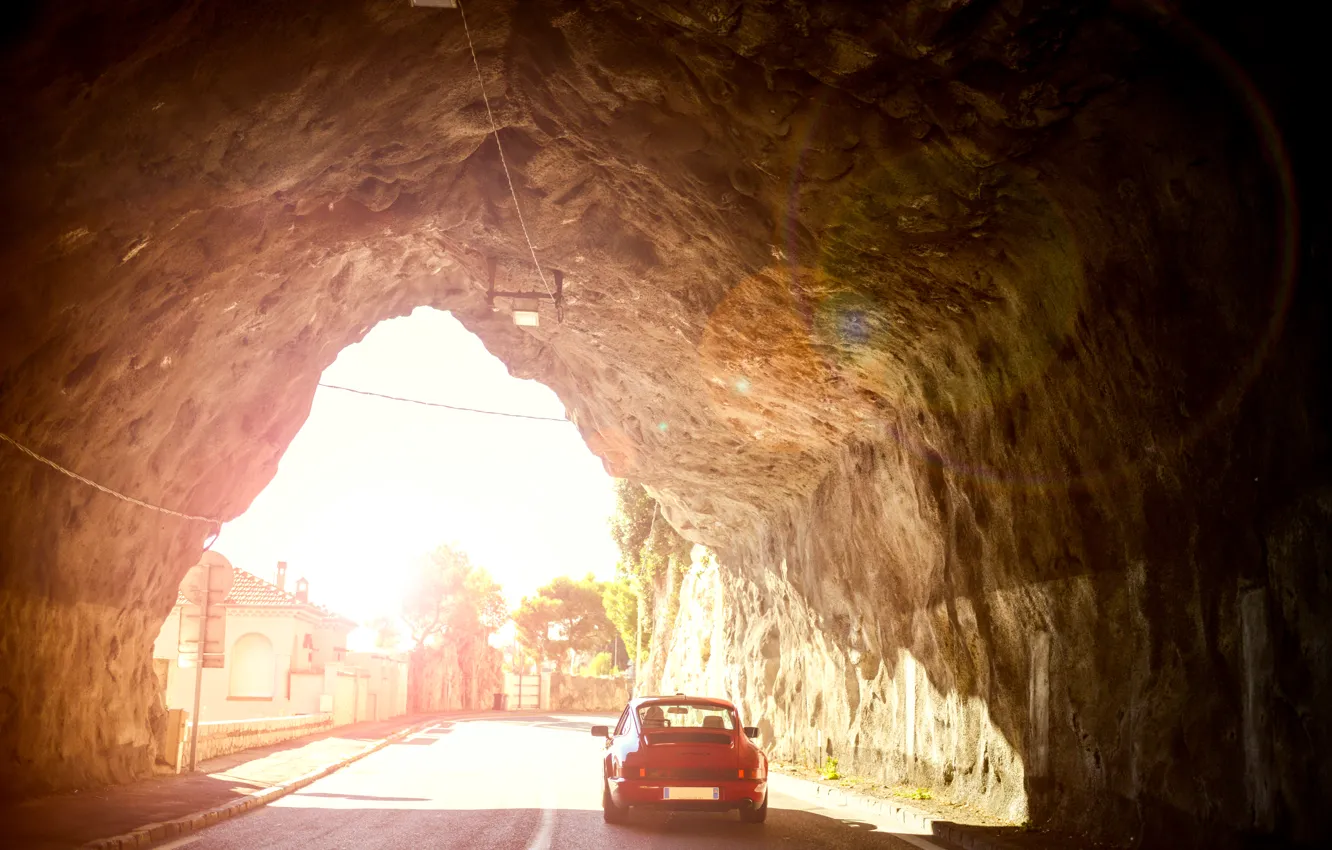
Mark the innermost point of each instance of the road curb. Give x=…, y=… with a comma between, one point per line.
x=909, y=815
x=154, y=833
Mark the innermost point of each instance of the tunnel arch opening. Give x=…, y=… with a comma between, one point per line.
x=418, y=437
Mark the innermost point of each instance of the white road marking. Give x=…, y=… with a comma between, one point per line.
x=545, y=828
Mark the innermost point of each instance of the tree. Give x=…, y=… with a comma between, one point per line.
x=432, y=592
x=600, y=665
x=451, y=609
x=631, y=524
x=621, y=603
x=533, y=620
x=646, y=541
x=487, y=600
x=564, y=617
x=449, y=596
x=648, y=545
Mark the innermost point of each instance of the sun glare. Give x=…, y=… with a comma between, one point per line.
x=370, y=484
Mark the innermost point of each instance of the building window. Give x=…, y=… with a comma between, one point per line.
x=253, y=667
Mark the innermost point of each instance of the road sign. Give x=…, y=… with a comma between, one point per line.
x=215, y=634
x=206, y=585
x=213, y=572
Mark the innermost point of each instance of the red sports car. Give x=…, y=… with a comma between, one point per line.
x=683, y=753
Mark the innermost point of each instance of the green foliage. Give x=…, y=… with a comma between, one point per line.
x=829, y=770
x=600, y=665
x=449, y=597
x=533, y=619
x=632, y=521
x=565, y=615
x=450, y=601
x=645, y=540
x=621, y=604
x=649, y=547
x=913, y=793
x=675, y=580
x=487, y=600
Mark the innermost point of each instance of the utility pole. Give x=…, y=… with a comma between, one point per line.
x=199, y=668
x=638, y=637
x=212, y=575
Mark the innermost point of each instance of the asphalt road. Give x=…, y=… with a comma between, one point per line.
x=508, y=783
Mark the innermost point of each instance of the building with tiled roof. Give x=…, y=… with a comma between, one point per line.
x=278, y=653
x=250, y=591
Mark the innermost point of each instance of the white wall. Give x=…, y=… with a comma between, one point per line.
x=304, y=681
x=216, y=700
x=386, y=683
x=330, y=643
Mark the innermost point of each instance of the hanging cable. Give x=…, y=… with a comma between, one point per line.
x=494, y=128
x=446, y=406
x=214, y=523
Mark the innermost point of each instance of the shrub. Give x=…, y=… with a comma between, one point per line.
x=600, y=665
x=913, y=793
x=829, y=770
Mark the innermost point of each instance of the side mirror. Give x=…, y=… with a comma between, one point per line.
x=751, y=732
x=600, y=731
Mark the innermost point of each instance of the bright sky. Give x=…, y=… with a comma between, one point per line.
x=368, y=484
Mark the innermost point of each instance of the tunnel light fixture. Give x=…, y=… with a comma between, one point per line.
x=436, y=4
x=526, y=305
x=525, y=313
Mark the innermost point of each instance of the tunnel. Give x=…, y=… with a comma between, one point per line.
x=985, y=344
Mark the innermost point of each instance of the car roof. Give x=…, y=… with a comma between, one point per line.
x=678, y=698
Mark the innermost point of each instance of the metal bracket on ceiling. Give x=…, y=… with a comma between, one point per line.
x=525, y=303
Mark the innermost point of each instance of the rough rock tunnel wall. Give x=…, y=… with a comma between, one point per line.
x=968, y=334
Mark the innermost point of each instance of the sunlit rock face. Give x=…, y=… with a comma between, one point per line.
x=967, y=334
x=817, y=688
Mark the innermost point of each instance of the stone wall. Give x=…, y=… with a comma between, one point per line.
x=438, y=680
x=814, y=697
x=219, y=738
x=1084, y=689
x=587, y=693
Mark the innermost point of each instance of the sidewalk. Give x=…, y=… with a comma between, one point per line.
x=939, y=824
x=74, y=819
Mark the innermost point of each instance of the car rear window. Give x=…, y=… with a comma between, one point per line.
x=685, y=715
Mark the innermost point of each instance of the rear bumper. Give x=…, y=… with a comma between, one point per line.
x=734, y=793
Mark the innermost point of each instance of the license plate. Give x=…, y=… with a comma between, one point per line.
x=691, y=793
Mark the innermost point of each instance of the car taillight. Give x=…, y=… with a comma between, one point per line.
x=753, y=772
x=626, y=771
